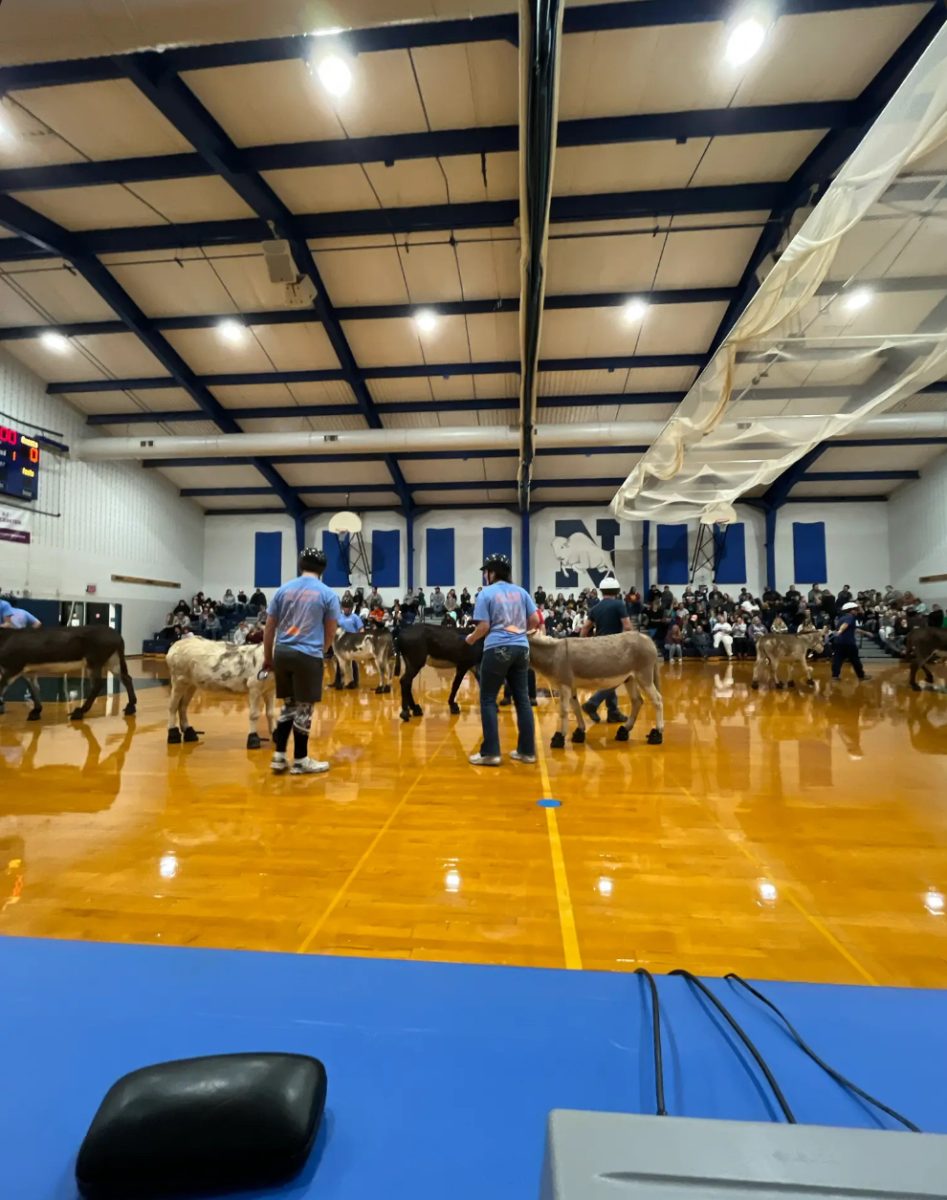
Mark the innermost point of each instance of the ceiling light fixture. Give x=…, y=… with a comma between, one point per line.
x=52, y=340
x=745, y=40
x=634, y=310
x=426, y=320
x=859, y=299
x=335, y=74
x=232, y=331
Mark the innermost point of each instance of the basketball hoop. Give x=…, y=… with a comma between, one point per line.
x=345, y=524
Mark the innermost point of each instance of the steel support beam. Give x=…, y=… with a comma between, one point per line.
x=853, y=476
x=175, y=101
x=637, y=14
x=442, y=143
x=452, y=485
x=20, y=219
x=482, y=214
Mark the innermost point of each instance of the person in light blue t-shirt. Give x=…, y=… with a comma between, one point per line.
x=16, y=618
x=349, y=622
x=504, y=613
x=300, y=622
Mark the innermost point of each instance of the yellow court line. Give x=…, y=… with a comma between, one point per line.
x=570, y=938
x=787, y=890
x=336, y=899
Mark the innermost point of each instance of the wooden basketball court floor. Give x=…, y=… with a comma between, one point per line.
x=785, y=835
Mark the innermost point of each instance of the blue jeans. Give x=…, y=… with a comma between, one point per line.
x=508, y=664
x=610, y=696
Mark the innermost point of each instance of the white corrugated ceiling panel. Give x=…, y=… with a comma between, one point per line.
x=345, y=474
x=52, y=366
x=297, y=109
x=467, y=85
x=494, y=337
x=191, y=428
x=465, y=177
x=63, y=294
x=31, y=143
x=297, y=347
x=472, y=470
x=664, y=329
x=805, y=58
x=215, y=477
x=486, y=387
x=606, y=263
x=571, y=496
x=269, y=395
x=431, y=272
x=397, y=342
x=323, y=189
x=226, y=503
x=205, y=198
x=853, y=487
x=366, y=275
x=207, y=354
x=189, y=287
x=583, y=466
x=755, y=158
x=109, y=206
x=701, y=257
x=877, y=458
x=336, y=501
x=111, y=119
x=605, y=382
x=303, y=424
x=489, y=267
x=634, y=166
x=157, y=400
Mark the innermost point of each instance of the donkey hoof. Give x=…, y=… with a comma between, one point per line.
x=578, y=735
x=190, y=734
x=76, y=715
x=656, y=737
x=34, y=714
x=350, y=687
x=253, y=741
x=810, y=683
x=755, y=685
x=174, y=736
x=379, y=691
x=780, y=685
x=387, y=689
x=791, y=683
x=455, y=708
x=558, y=742
x=417, y=710
x=130, y=710
x=916, y=687
x=621, y=734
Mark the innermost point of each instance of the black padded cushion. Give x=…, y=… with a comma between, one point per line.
x=226, y=1122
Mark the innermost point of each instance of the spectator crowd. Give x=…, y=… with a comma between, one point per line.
x=698, y=621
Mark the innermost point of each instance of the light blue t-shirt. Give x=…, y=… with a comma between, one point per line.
x=19, y=618
x=300, y=609
x=508, y=608
x=352, y=623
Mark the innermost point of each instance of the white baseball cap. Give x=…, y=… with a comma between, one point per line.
x=610, y=584
x=851, y=604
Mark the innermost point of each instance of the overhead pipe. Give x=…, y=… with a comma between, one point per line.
x=540, y=29
x=459, y=438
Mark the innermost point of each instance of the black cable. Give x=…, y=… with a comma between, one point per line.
x=744, y=1038
x=836, y=1075
x=656, y=1041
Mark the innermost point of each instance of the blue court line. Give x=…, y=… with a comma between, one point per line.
x=440, y=1076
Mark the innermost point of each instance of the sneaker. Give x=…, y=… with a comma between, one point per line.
x=485, y=760
x=278, y=764
x=308, y=766
x=522, y=758
x=591, y=713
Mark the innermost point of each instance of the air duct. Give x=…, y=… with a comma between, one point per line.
x=472, y=438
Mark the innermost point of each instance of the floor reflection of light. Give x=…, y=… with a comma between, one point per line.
x=934, y=902
x=605, y=886
x=168, y=866
x=452, y=881
x=767, y=891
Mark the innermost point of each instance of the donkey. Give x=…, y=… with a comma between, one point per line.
x=597, y=662
x=440, y=647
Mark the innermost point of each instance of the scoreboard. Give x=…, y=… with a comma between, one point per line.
x=19, y=464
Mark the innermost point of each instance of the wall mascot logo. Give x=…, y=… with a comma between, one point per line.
x=576, y=550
